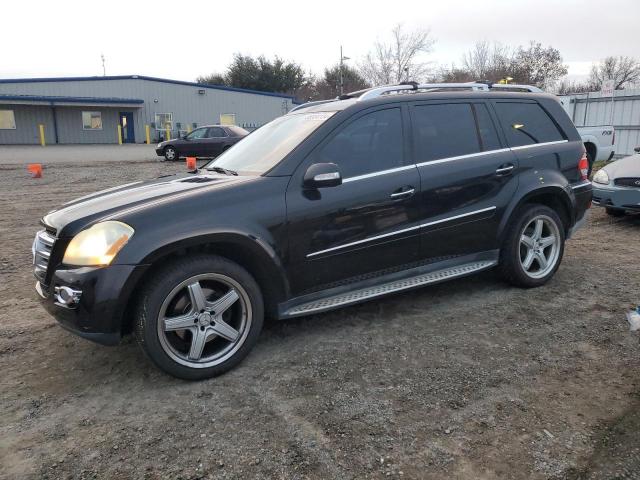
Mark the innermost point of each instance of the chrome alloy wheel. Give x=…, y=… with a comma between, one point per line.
x=539, y=246
x=204, y=320
x=170, y=153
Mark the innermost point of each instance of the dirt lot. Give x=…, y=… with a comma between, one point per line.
x=470, y=379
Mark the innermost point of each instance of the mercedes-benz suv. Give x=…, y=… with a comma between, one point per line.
x=335, y=203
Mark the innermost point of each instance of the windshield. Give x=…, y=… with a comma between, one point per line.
x=263, y=149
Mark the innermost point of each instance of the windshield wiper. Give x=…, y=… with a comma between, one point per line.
x=226, y=171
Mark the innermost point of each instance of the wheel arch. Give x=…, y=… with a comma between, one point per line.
x=554, y=197
x=254, y=255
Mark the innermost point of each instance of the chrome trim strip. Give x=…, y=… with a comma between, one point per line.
x=397, y=232
x=458, y=216
x=581, y=185
x=533, y=145
x=463, y=157
x=375, y=174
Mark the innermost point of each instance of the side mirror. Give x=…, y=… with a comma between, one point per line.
x=322, y=175
x=637, y=149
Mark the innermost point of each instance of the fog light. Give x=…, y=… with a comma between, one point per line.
x=67, y=297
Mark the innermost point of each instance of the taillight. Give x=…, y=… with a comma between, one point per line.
x=583, y=167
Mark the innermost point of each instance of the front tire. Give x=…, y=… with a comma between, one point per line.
x=533, y=246
x=199, y=316
x=170, y=154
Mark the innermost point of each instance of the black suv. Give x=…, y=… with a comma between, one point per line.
x=335, y=203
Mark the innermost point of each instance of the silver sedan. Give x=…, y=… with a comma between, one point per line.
x=616, y=186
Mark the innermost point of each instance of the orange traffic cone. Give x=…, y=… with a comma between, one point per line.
x=191, y=163
x=35, y=169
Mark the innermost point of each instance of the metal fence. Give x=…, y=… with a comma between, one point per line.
x=623, y=112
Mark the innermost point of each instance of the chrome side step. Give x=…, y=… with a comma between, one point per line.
x=367, y=293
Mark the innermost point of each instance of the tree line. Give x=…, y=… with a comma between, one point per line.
x=404, y=57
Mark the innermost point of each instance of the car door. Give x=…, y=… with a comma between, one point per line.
x=214, y=141
x=468, y=176
x=192, y=144
x=368, y=224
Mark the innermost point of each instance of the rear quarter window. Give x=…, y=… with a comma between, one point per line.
x=526, y=124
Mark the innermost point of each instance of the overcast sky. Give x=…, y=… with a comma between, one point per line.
x=184, y=39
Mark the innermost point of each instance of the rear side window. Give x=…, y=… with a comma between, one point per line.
x=444, y=130
x=486, y=128
x=371, y=143
x=526, y=124
x=216, y=132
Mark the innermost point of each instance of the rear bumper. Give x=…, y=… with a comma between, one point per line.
x=582, y=195
x=103, y=295
x=616, y=197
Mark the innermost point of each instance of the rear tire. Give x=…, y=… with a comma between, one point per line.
x=533, y=246
x=615, y=212
x=199, y=316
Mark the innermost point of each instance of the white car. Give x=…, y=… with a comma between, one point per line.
x=599, y=143
x=616, y=186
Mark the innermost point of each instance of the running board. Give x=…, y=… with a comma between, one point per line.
x=367, y=293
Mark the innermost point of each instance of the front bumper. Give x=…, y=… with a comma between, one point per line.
x=160, y=152
x=611, y=196
x=104, y=294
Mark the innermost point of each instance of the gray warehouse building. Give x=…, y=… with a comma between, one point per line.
x=127, y=109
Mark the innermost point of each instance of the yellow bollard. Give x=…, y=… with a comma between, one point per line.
x=119, y=134
x=168, y=137
x=148, y=132
x=188, y=128
x=41, y=128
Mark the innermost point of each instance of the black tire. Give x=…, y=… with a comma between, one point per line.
x=170, y=153
x=154, y=297
x=615, y=212
x=511, y=263
x=590, y=161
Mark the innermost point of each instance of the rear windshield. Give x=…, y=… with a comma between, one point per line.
x=260, y=151
x=526, y=124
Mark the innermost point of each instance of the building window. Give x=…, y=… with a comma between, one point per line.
x=164, y=121
x=7, y=120
x=92, y=120
x=227, y=119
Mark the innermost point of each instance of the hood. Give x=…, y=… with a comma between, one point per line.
x=77, y=214
x=625, y=167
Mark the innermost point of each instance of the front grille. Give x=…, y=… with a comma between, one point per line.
x=42, y=247
x=627, y=182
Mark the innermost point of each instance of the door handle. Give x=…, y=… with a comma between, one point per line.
x=403, y=193
x=505, y=169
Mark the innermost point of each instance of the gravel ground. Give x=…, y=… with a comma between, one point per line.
x=468, y=379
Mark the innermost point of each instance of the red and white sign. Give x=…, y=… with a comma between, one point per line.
x=607, y=88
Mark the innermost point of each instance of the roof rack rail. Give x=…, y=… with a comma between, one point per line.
x=369, y=93
x=516, y=87
x=377, y=91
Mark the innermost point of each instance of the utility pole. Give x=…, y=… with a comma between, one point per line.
x=104, y=71
x=342, y=59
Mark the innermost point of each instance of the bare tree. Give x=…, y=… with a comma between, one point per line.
x=487, y=61
x=568, y=87
x=538, y=65
x=399, y=59
x=624, y=71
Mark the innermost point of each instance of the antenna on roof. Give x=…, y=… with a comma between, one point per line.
x=104, y=71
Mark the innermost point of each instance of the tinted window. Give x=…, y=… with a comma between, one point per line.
x=486, y=128
x=444, y=130
x=369, y=144
x=526, y=123
x=216, y=132
x=196, y=134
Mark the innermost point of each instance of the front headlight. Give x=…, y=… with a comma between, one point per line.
x=601, y=177
x=98, y=245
